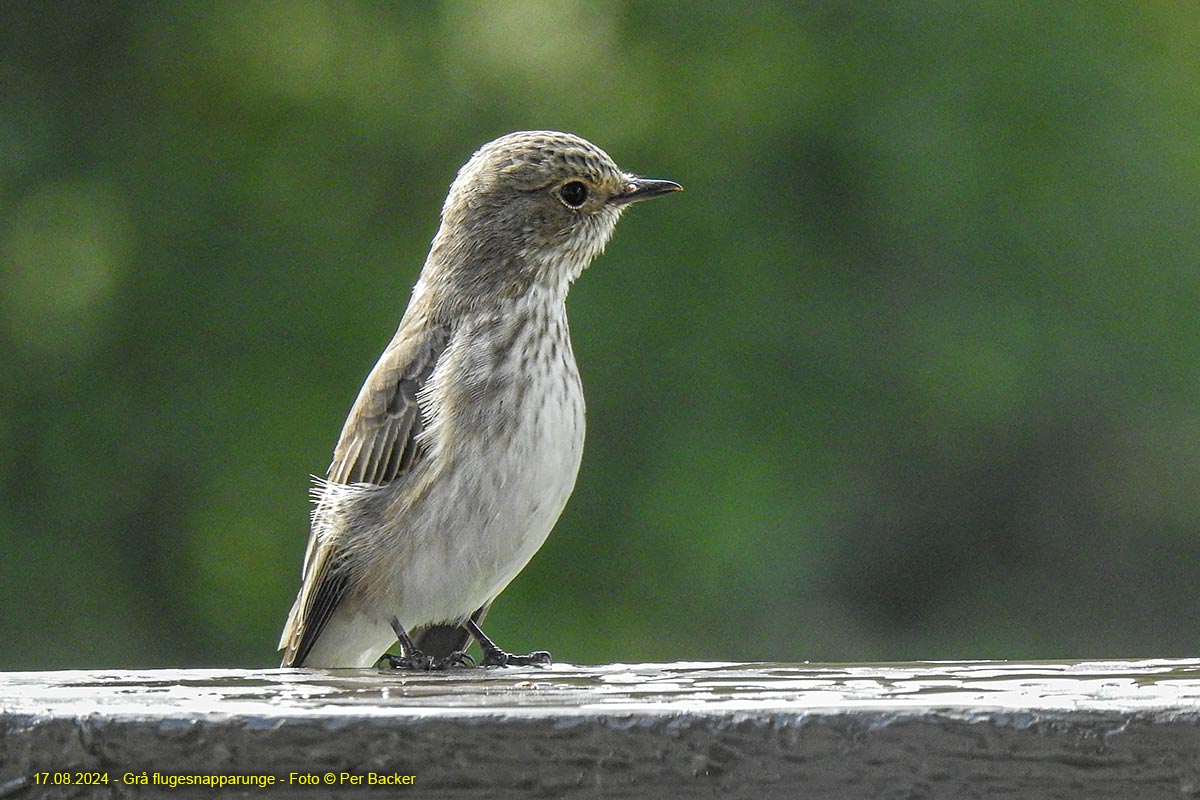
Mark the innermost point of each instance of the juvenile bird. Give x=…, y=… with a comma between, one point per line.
x=462, y=448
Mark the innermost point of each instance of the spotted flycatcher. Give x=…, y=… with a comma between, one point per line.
x=462, y=448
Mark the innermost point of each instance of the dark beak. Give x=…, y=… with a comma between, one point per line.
x=643, y=189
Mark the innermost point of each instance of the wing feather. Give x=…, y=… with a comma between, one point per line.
x=378, y=445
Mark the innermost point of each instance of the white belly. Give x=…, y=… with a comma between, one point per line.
x=503, y=461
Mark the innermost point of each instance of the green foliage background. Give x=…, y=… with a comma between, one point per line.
x=909, y=371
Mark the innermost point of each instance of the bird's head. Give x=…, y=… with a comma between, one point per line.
x=533, y=208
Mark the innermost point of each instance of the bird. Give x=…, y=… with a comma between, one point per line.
x=463, y=445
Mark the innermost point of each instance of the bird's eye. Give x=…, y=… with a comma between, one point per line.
x=574, y=193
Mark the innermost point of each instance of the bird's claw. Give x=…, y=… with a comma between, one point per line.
x=499, y=658
x=460, y=658
x=419, y=661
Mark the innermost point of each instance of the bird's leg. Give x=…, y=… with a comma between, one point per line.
x=493, y=656
x=412, y=658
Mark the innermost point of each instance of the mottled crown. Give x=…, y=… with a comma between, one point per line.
x=527, y=162
x=538, y=158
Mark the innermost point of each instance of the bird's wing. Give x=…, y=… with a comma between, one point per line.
x=379, y=444
x=379, y=440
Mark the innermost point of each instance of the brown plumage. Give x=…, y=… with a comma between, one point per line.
x=463, y=444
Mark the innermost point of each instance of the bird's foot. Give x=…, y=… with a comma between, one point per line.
x=415, y=659
x=493, y=656
x=499, y=658
x=460, y=659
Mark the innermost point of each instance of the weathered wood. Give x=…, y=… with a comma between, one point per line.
x=1116, y=729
